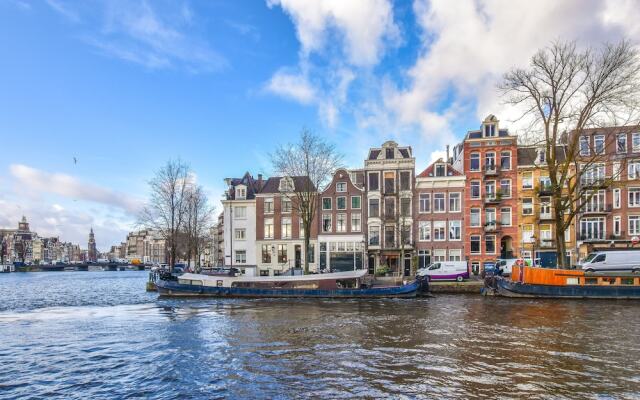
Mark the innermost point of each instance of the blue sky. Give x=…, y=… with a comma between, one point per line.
x=123, y=86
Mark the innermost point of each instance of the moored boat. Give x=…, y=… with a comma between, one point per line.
x=561, y=283
x=351, y=284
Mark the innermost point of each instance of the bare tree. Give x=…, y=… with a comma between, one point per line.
x=165, y=211
x=199, y=217
x=314, y=160
x=563, y=93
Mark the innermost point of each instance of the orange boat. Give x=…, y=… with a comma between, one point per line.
x=564, y=283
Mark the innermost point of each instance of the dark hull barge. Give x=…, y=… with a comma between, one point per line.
x=333, y=285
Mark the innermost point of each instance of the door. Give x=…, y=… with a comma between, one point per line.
x=407, y=265
x=298, y=256
x=372, y=265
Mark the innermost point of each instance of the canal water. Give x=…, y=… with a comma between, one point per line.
x=99, y=335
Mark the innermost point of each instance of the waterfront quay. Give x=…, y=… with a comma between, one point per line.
x=100, y=335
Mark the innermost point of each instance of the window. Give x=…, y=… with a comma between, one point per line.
x=633, y=169
x=490, y=216
x=374, y=236
x=505, y=160
x=594, y=202
x=356, y=224
x=592, y=228
x=634, y=197
x=341, y=223
x=268, y=228
x=527, y=233
x=490, y=244
x=455, y=255
x=454, y=202
x=455, y=230
x=527, y=180
x=489, y=130
x=405, y=233
x=545, y=233
x=616, y=198
x=341, y=187
x=545, y=207
x=389, y=183
x=286, y=228
x=240, y=234
x=374, y=208
x=567, y=235
x=490, y=160
x=405, y=207
x=542, y=156
x=326, y=222
x=389, y=236
x=341, y=203
x=505, y=216
x=266, y=254
x=282, y=253
x=374, y=181
x=424, y=231
x=286, y=184
x=598, y=144
x=286, y=206
x=527, y=206
x=592, y=174
x=440, y=170
x=241, y=212
x=584, y=146
x=311, y=256
x=475, y=244
x=301, y=229
x=621, y=143
x=355, y=203
x=438, y=202
x=326, y=203
x=617, y=222
x=475, y=217
x=635, y=142
x=424, y=258
x=241, y=256
x=490, y=189
x=268, y=206
x=439, y=255
x=634, y=225
x=389, y=207
x=475, y=189
x=474, y=162
x=439, y=230
x=405, y=180
x=505, y=187
x=389, y=153
x=617, y=170
x=425, y=202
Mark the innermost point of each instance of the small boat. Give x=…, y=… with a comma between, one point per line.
x=350, y=284
x=562, y=283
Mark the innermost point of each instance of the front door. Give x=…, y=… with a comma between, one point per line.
x=407, y=265
x=372, y=264
x=298, y=255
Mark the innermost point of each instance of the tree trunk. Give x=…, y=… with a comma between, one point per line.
x=307, y=233
x=559, y=233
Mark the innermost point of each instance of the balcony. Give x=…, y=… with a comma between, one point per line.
x=597, y=209
x=544, y=189
x=493, y=198
x=546, y=216
x=491, y=170
x=592, y=238
x=547, y=243
x=491, y=227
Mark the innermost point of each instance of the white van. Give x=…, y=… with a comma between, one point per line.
x=446, y=270
x=612, y=260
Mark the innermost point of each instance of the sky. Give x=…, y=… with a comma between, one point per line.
x=96, y=95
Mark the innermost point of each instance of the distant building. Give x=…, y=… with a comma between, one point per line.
x=92, y=251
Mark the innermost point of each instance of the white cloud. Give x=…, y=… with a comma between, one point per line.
x=363, y=26
x=35, y=181
x=291, y=86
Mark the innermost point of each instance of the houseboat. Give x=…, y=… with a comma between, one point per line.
x=350, y=284
x=561, y=283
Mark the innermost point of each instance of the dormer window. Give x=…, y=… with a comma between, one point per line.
x=389, y=153
x=542, y=156
x=286, y=184
x=440, y=170
x=341, y=187
x=241, y=193
x=490, y=130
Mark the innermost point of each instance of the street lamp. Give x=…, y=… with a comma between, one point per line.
x=533, y=252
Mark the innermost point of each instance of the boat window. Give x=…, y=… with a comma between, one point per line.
x=218, y=283
x=600, y=258
x=572, y=281
x=434, y=266
x=608, y=280
x=590, y=281
x=626, y=281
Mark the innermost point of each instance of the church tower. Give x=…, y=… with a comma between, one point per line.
x=23, y=225
x=93, y=252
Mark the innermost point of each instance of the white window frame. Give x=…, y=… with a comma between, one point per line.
x=633, y=197
x=479, y=244
x=345, y=203
x=341, y=217
x=495, y=245
x=360, y=201
x=471, y=156
x=508, y=195
x=510, y=216
x=479, y=189
x=479, y=217
x=330, y=219
x=453, y=224
x=617, y=198
x=444, y=203
x=528, y=180
x=424, y=231
x=437, y=225
x=527, y=208
x=635, y=142
x=240, y=215
x=341, y=187
x=633, y=228
x=617, y=225
x=240, y=234
x=268, y=235
x=587, y=148
x=330, y=203
x=426, y=200
x=618, y=136
x=284, y=234
x=356, y=227
x=458, y=203
x=596, y=139
x=268, y=200
x=455, y=254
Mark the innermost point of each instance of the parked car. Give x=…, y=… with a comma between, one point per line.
x=446, y=270
x=505, y=265
x=612, y=260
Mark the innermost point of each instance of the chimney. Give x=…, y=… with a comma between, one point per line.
x=259, y=177
x=447, y=159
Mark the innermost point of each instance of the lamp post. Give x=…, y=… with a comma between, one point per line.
x=533, y=252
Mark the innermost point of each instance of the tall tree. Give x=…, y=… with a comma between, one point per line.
x=165, y=211
x=199, y=219
x=314, y=160
x=563, y=93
